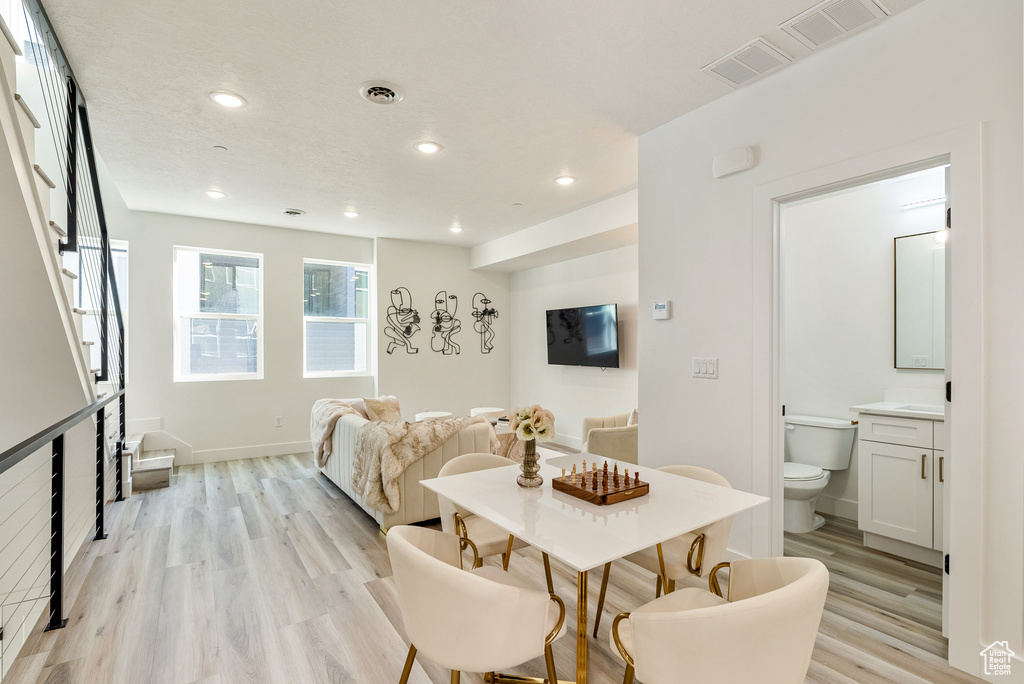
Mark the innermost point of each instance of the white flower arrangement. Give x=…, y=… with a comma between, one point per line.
x=533, y=423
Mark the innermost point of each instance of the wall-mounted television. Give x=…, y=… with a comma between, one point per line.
x=584, y=336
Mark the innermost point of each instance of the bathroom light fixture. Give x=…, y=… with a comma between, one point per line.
x=215, y=194
x=456, y=229
x=351, y=214
x=226, y=99
x=923, y=203
x=565, y=180
x=428, y=147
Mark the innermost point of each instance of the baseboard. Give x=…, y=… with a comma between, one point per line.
x=255, y=451
x=834, y=506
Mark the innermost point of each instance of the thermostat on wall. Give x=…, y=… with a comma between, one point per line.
x=662, y=311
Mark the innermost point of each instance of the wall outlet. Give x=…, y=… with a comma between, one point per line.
x=278, y=421
x=705, y=368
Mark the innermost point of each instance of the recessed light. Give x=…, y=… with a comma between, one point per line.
x=456, y=229
x=565, y=180
x=428, y=147
x=226, y=99
x=215, y=194
x=351, y=214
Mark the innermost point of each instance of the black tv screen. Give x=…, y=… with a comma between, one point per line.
x=584, y=336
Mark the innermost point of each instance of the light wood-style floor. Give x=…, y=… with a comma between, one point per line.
x=262, y=571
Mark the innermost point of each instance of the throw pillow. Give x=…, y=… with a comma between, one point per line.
x=384, y=409
x=634, y=418
x=358, y=406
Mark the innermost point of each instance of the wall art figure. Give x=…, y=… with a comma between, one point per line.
x=402, y=321
x=484, y=314
x=444, y=323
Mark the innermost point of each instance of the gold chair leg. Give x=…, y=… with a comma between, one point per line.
x=549, y=659
x=628, y=678
x=478, y=563
x=455, y=677
x=547, y=573
x=600, y=598
x=671, y=586
x=507, y=556
x=657, y=588
x=408, y=665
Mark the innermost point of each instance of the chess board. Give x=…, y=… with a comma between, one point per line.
x=601, y=487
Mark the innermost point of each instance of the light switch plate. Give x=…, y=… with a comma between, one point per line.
x=705, y=368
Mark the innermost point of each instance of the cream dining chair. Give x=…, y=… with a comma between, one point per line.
x=762, y=631
x=689, y=555
x=611, y=437
x=488, y=538
x=481, y=620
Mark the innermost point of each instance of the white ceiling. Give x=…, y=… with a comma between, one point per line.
x=517, y=91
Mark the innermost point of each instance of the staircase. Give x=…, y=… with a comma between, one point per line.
x=146, y=469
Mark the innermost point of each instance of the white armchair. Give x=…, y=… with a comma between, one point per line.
x=689, y=555
x=764, y=630
x=611, y=437
x=475, y=621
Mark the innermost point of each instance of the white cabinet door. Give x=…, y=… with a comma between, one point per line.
x=940, y=475
x=896, y=491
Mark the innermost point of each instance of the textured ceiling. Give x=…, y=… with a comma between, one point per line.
x=517, y=91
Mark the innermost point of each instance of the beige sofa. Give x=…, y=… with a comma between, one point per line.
x=611, y=437
x=417, y=503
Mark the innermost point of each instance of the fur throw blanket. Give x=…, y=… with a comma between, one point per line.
x=384, y=451
x=325, y=414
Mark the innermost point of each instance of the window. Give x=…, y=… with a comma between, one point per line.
x=218, y=315
x=336, y=318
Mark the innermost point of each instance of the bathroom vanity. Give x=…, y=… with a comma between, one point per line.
x=903, y=471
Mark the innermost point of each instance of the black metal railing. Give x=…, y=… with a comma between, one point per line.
x=54, y=436
x=65, y=141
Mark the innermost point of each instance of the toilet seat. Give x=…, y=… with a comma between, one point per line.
x=801, y=472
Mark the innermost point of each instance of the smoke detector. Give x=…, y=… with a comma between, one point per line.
x=380, y=92
x=294, y=212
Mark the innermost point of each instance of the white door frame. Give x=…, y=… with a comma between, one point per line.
x=967, y=442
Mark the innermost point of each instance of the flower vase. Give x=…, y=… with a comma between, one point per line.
x=530, y=476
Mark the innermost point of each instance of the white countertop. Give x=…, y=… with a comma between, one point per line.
x=584, y=535
x=902, y=409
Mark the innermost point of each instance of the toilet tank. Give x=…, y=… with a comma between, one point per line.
x=823, y=442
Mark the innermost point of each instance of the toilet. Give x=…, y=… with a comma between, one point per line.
x=815, y=446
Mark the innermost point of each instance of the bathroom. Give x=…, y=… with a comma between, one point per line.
x=839, y=330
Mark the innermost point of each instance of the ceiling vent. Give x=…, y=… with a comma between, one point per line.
x=749, y=63
x=380, y=92
x=833, y=19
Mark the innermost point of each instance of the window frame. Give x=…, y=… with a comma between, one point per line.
x=306, y=373
x=178, y=313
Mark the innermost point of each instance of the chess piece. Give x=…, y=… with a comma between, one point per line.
x=563, y=474
x=584, y=465
x=606, y=470
x=627, y=475
x=593, y=482
x=593, y=467
x=636, y=480
x=615, y=475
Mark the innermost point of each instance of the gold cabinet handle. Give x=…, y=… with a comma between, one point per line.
x=924, y=458
x=941, y=479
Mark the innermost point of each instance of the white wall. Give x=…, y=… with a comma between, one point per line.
x=838, y=291
x=939, y=67
x=430, y=380
x=233, y=419
x=569, y=392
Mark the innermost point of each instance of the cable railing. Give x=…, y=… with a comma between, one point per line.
x=55, y=486
x=64, y=152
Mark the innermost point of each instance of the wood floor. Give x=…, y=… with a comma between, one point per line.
x=262, y=571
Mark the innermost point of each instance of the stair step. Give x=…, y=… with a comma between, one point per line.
x=88, y=343
x=79, y=311
x=57, y=229
x=25, y=108
x=10, y=37
x=46, y=179
x=69, y=274
x=153, y=469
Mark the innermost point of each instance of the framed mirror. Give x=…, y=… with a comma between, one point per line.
x=921, y=301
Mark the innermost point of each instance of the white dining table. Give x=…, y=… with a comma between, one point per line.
x=582, y=535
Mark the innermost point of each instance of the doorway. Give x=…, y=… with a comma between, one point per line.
x=862, y=302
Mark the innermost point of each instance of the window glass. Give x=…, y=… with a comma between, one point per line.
x=336, y=320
